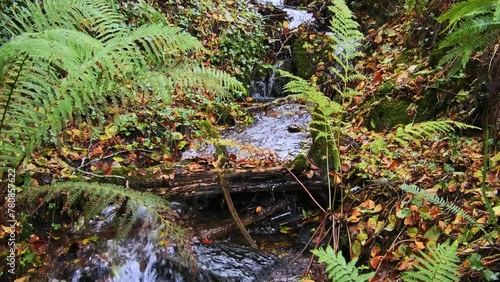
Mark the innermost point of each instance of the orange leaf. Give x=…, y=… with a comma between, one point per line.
x=108, y=171
x=368, y=204
x=409, y=220
x=206, y=241
x=393, y=164
x=375, y=262
x=34, y=239
x=97, y=151
x=377, y=77
x=195, y=167
x=404, y=265
x=419, y=245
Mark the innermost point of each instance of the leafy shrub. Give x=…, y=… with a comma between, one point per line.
x=231, y=30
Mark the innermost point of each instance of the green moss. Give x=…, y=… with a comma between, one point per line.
x=323, y=151
x=304, y=66
x=385, y=88
x=389, y=114
x=208, y=131
x=309, y=51
x=428, y=106
x=299, y=164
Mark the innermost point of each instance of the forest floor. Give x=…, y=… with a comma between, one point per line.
x=387, y=227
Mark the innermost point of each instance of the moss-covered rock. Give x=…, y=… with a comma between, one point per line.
x=390, y=112
x=299, y=164
x=303, y=65
x=323, y=151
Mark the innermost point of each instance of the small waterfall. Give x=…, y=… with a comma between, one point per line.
x=265, y=88
x=296, y=17
x=267, y=85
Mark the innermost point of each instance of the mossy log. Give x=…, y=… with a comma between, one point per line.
x=195, y=180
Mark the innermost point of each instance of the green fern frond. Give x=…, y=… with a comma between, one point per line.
x=415, y=132
x=217, y=81
x=474, y=24
x=346, y=41
x=337, y=268
x=467, y=9
x=470, y=28
x=96, y=197
x=65, y=57
x=323, y=112
x=438, y=201
x=310, y=93
x=440, y=265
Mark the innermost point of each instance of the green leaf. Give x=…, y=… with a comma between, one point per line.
x=433, y=234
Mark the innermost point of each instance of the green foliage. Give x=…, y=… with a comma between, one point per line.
x=477, y=265
x=65, y=58
x=128, y=206
x=416, y=132
x=441, y=264
x=327, y=115
x=346, y=41
x=474, y=24
x=322, y=132
x=231, y=30
x=337, y=267
x=436, y=200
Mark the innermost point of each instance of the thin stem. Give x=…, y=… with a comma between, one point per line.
x=307, y=191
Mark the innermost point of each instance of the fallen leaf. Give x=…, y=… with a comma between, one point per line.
x=404, y=265
x=345, y=167
x=375, y=262
x=419, y=245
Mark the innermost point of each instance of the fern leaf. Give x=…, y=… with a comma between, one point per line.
x=467, y=9
x=98, y=196
x=439, y=266
x=468, y=29
x=436, y=200
x=67, y=56
x=346, y=39
x=427, y=130
x=474, y=24
x=337, y=268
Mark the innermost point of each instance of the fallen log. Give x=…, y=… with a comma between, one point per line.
x=191, y=181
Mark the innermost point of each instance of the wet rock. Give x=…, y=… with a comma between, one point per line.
x=232, y=263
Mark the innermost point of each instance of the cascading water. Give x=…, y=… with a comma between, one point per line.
x=266, y=87
x=143, y=258
x=296, y=17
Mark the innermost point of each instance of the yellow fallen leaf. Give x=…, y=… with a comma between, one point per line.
x=497, y=210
